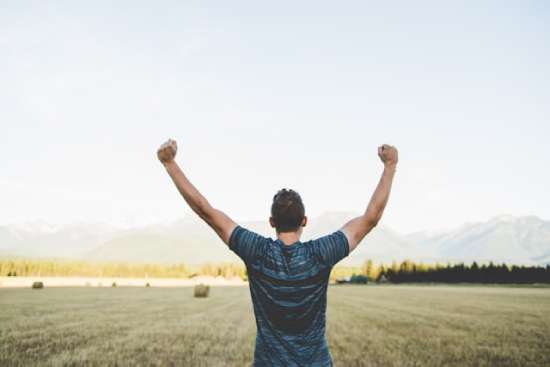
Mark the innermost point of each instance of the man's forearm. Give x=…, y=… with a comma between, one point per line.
x=216, y=219
x=192, y=196
x=380, y=197
x=357, y=228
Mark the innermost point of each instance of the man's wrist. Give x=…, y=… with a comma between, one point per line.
x=390, y=167
x=169, y=164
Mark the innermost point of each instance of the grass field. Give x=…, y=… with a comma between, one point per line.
x=366, y=326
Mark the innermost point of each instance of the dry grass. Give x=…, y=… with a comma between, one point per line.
x=367, y=326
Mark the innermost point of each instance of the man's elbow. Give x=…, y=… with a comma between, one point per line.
x=371, y=221
x=205, y=214
x=203, y=211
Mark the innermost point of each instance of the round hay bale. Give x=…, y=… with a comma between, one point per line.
x=202, y=290
x=37, y=285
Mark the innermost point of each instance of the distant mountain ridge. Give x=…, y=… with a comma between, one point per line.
x=514, y=240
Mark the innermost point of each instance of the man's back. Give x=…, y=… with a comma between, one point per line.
x=288, y=286
x=288, y=283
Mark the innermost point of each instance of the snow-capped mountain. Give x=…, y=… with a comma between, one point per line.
x=514, y=240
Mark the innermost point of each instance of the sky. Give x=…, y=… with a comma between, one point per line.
x=261, y=96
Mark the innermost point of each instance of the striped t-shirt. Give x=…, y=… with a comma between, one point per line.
x=288, y=287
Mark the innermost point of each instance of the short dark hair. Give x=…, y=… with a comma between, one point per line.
x=287, y=210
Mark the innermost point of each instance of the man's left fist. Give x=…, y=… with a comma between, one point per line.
x=167, y=151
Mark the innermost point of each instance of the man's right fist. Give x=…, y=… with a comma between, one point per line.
x=167, y=151
x=388, y=154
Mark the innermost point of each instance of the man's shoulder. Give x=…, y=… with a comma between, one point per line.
x=248, y=245
x=243, y=234
x=330, y=248
x=337, y=235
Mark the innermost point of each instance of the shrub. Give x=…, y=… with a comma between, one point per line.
x=37, y=285
x=359, y=279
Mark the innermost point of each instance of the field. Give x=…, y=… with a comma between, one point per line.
x=366, y=326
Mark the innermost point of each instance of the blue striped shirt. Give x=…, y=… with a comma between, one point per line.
x=288, y=287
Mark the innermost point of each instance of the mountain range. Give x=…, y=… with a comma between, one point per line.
x=514, y=240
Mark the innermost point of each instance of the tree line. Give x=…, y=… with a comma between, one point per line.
x=405, y=272
x=411, y=272
x=68, y=268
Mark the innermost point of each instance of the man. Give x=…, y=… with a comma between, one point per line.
x=288, y=279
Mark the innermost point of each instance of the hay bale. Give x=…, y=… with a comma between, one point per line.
x=202, y=290
x=37, y=285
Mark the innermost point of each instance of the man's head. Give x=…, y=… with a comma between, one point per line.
x=287, y=211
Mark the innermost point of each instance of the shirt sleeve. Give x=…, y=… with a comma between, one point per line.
x=246, y=244
x=331, y=248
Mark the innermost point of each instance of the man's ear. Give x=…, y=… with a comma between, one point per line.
x=271, y=222
x=304, y=221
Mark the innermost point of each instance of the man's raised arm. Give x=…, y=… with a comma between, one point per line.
x=357, y=228
x=218, y=220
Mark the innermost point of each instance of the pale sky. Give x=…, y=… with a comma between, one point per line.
x=265, y=95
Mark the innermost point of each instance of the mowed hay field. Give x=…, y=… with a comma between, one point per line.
x=366, y=326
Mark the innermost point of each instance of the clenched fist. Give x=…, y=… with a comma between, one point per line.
x=167, y=151
x=388, y=154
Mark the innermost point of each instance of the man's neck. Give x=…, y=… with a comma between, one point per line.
x=288, y=238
